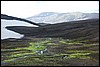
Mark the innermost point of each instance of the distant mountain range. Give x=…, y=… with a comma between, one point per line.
x=54, y=17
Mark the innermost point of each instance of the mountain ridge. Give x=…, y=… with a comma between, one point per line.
x=54, y=17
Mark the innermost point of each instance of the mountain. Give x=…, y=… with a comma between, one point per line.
x=13, y=21
x=83, y=29
x=54, y=17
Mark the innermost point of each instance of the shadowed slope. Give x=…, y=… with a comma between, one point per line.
x=85, y=29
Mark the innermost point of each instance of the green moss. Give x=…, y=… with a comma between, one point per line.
x=60, y=55
x=69, y=42
x=79, y=56
x=9, y=60
x=20, y=55
x=54, y=44
x=37, y=46
x=79, y=51
x=34, y=46
x=89, y=45
x=38, y=59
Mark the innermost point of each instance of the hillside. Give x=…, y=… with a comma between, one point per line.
x=53, y=45
x=84, y=29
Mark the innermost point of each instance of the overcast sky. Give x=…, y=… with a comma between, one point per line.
x=24, y=9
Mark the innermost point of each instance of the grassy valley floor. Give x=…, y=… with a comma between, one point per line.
x=49, y=52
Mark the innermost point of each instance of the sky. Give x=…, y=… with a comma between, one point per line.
x=25, y=9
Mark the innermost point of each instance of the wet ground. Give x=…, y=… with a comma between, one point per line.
x=49, y=52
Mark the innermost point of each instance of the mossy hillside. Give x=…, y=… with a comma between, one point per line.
x=57, y=53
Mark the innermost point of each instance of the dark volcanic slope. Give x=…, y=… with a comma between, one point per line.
x=86, y=29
